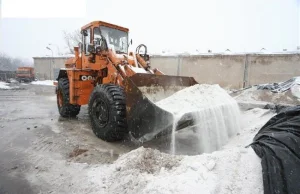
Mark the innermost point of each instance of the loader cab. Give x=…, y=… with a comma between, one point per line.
x=116, y=39
x=101, y=35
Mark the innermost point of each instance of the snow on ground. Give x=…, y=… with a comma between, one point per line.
x=45, y=82
x=7, y=86
x=4, y=85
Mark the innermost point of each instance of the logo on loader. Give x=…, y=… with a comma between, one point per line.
x=86, y=78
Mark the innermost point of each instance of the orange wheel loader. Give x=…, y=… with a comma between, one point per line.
x=119, y=87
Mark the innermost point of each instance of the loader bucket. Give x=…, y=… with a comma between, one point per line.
x=145, y=119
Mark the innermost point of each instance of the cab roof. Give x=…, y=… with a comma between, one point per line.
x=98, y=23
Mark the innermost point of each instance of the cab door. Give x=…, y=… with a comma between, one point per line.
x=87, y=40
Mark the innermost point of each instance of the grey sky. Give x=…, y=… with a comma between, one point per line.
x=177, y=26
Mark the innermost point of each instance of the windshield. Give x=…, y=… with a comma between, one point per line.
x=116, y=39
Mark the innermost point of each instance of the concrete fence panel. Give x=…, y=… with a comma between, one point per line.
x=168, y=64
x=229, y=71
x=272, y=68
x=225, y=70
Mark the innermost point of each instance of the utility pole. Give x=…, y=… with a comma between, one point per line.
x=50, y=62
x=58, y=52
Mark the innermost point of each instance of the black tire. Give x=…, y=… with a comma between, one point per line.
x=64, y=107
x=107, y=111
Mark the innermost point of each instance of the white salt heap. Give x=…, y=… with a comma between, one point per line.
x=215, y=112
x=233, y=169
x=148, y=171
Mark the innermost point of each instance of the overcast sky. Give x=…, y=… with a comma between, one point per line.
x=27, y=27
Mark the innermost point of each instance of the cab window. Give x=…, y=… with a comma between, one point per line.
x=87, y=41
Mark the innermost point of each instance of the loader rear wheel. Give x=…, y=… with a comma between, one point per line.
x=107, y=111
x=64, y=107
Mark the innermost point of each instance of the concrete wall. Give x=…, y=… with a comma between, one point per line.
x=272, y=68
x=224, y=70
x=231, y=71
x=46, y=67
x=204, y=68
x=168, y=64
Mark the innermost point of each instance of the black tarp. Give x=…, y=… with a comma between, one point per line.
x=278, y=145
x=276, y=107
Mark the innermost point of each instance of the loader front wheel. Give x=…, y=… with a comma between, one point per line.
x=63, y=99
x=107, y=111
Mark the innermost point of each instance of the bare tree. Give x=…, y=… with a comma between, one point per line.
x=72, y=39
x=8, y=63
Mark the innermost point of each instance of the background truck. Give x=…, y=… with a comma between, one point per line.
x=25, y=74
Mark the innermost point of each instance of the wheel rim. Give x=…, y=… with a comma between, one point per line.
x=59, y=98
x=100, y=112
